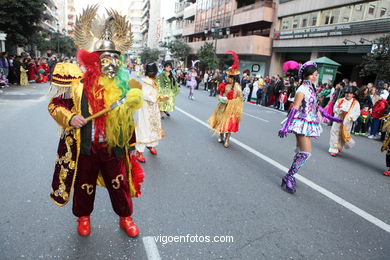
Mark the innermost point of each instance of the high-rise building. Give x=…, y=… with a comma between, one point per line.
x=66, y=16
x=136, y=11
x=50, y=21
x=244, y=26
x=342, y=30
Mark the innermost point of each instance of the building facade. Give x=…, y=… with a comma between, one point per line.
x=136, y=11
x=245, y=28
x=342, y=30
x=50, y=21
x=66, y=16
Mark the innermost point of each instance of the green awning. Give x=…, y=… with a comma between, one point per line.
x=325, y=60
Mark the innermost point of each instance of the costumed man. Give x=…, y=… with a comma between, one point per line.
x=386, y=146
x=96, y=115
x=348, y=109
x=227, y=116
x=167, y=87
x=148, y=121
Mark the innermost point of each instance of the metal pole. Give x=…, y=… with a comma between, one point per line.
x=215, y=48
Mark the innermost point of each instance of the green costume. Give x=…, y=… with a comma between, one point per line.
x=167, y=87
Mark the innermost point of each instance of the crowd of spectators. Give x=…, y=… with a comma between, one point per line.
x=25, y=69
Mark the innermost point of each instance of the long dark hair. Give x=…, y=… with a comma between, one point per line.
x=309, y=70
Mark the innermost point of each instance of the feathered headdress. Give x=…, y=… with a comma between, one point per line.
x=93, y=33
x=194, y=62
x=233, y=70
x=290, y=65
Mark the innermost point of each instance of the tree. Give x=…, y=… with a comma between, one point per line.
x=179, y=49
x=378, y=61
x=52, y=41
x=208, y=58
x=20, y=19
x=149, y=55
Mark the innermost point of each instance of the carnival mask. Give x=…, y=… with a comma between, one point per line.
x=109, y=64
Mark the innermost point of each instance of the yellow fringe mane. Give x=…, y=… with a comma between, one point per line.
x=119, y=122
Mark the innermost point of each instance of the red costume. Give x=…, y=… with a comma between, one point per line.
x=32, y=71
x=43, y=73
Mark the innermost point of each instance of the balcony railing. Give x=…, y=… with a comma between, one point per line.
x=255, y=13
x=255, y=6
x=190, y=11
x=249, y=45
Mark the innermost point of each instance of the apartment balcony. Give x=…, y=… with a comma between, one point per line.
x=253, y=13
x=145, y=4
x=190, y=11
x=145, y=21
x=48, y=27
x=51, y=3
x=144, y=30
x=189, y=29
x=137, y=37
x=136, y=30
x=248, y=45
x=177, y=32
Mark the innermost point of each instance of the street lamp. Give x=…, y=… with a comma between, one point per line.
x=216, y=32
x=346, y=41
x=58, y=38
x=362, y=40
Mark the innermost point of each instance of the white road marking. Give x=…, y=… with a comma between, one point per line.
x=379, y=223
x=259, y=118
x=151, y=248
x=268, y=108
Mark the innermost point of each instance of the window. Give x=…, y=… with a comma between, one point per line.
x=334, y=18
x=286, y=23
x=305, y=20
x=325, y=17
x=295, y=22
x=371, y=10
x=345, y=13
x=313, y=20
x=358, y=13
x=382, y=13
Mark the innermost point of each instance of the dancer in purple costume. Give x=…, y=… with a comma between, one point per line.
x=303, y=121
x=191, y=83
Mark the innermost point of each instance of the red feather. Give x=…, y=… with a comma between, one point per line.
x=88, y=59
x=235, y=58
x=137, y=174
x=92, y=89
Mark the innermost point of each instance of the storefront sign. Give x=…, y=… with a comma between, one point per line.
x=326, y=31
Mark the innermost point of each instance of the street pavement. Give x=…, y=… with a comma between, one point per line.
x=195, y=186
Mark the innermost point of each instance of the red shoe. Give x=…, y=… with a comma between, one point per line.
x=333, y=154
x=84, y=227
x=387, y=173
x=128, y=225
x=140, y=157
x=340, y=150
x=152, y=150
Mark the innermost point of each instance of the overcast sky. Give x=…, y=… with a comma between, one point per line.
x=119, y=5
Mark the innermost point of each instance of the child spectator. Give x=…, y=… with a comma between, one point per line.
x=363, y=121
x=378, y=111
x=282, y=99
